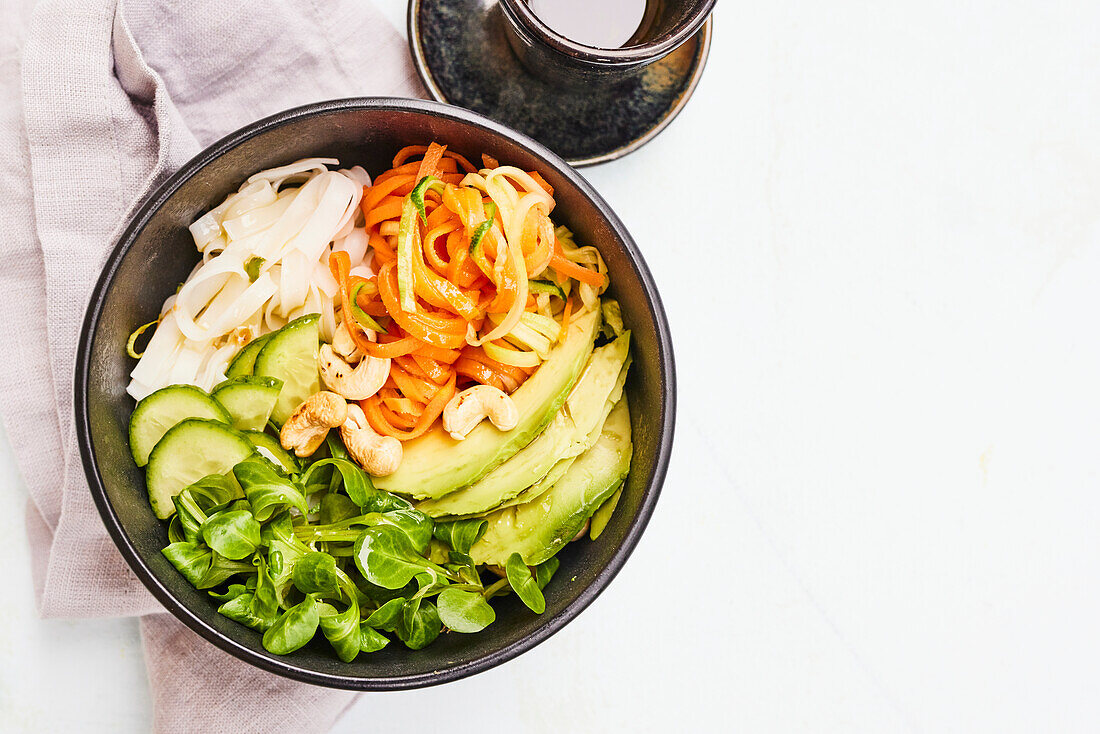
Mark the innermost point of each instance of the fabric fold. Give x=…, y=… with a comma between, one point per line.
x=102, y=100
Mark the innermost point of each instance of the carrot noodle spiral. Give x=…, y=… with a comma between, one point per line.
x=450, y=303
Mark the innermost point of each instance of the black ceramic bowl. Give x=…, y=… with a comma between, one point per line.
x=155, y=253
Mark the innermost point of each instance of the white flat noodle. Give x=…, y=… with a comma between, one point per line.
x=358, y=174
x=476, y=180
x=273, y=241
x=322, y=278
x=525, y=179
x=294, y=283
x=212, y=370
x=256, y=220
x=185, y=366
x=352, y=213
x=210, y=318
x=139, y=390
x=355, y=244
x=214, y=246
x=518, y=215
x=325, y=220
x=204, y=229
x=162, y=347
x=272, y=320
x=515, y=253
x=307, y=165
x=253, y=195
x=328, y=318
x=345, y=229
x=310, y=304
x=242, y=307
x=197, y=294
x=292, y=231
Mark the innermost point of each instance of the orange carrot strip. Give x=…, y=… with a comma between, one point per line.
x=431, y=250
x=541, y=182
x=477, y=353
x=430, y=164
x=449, y=333
x=570, y=269
x=478, y=372
x=398, y=348
x=388, y=208
x=382, y=189
x=435, y=371
x=411, y=386
x=431, y=411
x=339, y=264
x=408, y=152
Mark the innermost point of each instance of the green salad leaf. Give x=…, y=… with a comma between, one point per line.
x=370, y=639
x=234, y=534
x=461, y=534
x=341, y=629
x=336, y=508
x=387, y=616
x=267, y=490
x=416, y=526
x=294, y=627
x=191, y=559
x=546, y=570
x=315, y=573
x=386, y=557
x=464, y=611
x=524, y=584
x=420, y=624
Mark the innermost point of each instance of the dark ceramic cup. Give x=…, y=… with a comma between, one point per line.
x=551, y=56
x=155, y=253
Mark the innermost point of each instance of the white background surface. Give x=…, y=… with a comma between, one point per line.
x=876, y=229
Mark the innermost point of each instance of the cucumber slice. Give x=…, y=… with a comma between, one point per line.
x=270, y=448
x=543, y=286
x=291, y=356
x=245, y=360
x=249, y=400
x=158, y=412
x=192, y=450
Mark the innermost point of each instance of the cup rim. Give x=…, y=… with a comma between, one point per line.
x=520, y=14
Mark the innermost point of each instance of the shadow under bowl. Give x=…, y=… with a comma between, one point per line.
x=155, y=253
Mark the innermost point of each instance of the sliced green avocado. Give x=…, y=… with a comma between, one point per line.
x=435, y=464
x=566, y=435
x=602, y=516
x=539, y=529
x=581, y=442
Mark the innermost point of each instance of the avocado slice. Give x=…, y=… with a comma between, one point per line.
x=434, y=464
x=581, y=444
x=603, y=514
x=539, y=529
x=585, y=409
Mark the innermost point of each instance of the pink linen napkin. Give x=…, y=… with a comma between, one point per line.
x=99, y=101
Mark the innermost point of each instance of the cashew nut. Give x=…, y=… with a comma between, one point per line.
x=310, y=422
x=378, y=455
x=469, y=407
x=344, y=345
x=357, y=383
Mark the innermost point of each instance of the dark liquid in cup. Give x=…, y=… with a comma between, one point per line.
x=599, y=23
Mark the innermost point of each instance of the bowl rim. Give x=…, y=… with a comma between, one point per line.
x=139, y=218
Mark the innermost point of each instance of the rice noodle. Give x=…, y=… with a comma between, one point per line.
x=292, y=229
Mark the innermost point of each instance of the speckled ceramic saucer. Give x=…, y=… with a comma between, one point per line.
x=463, y=57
